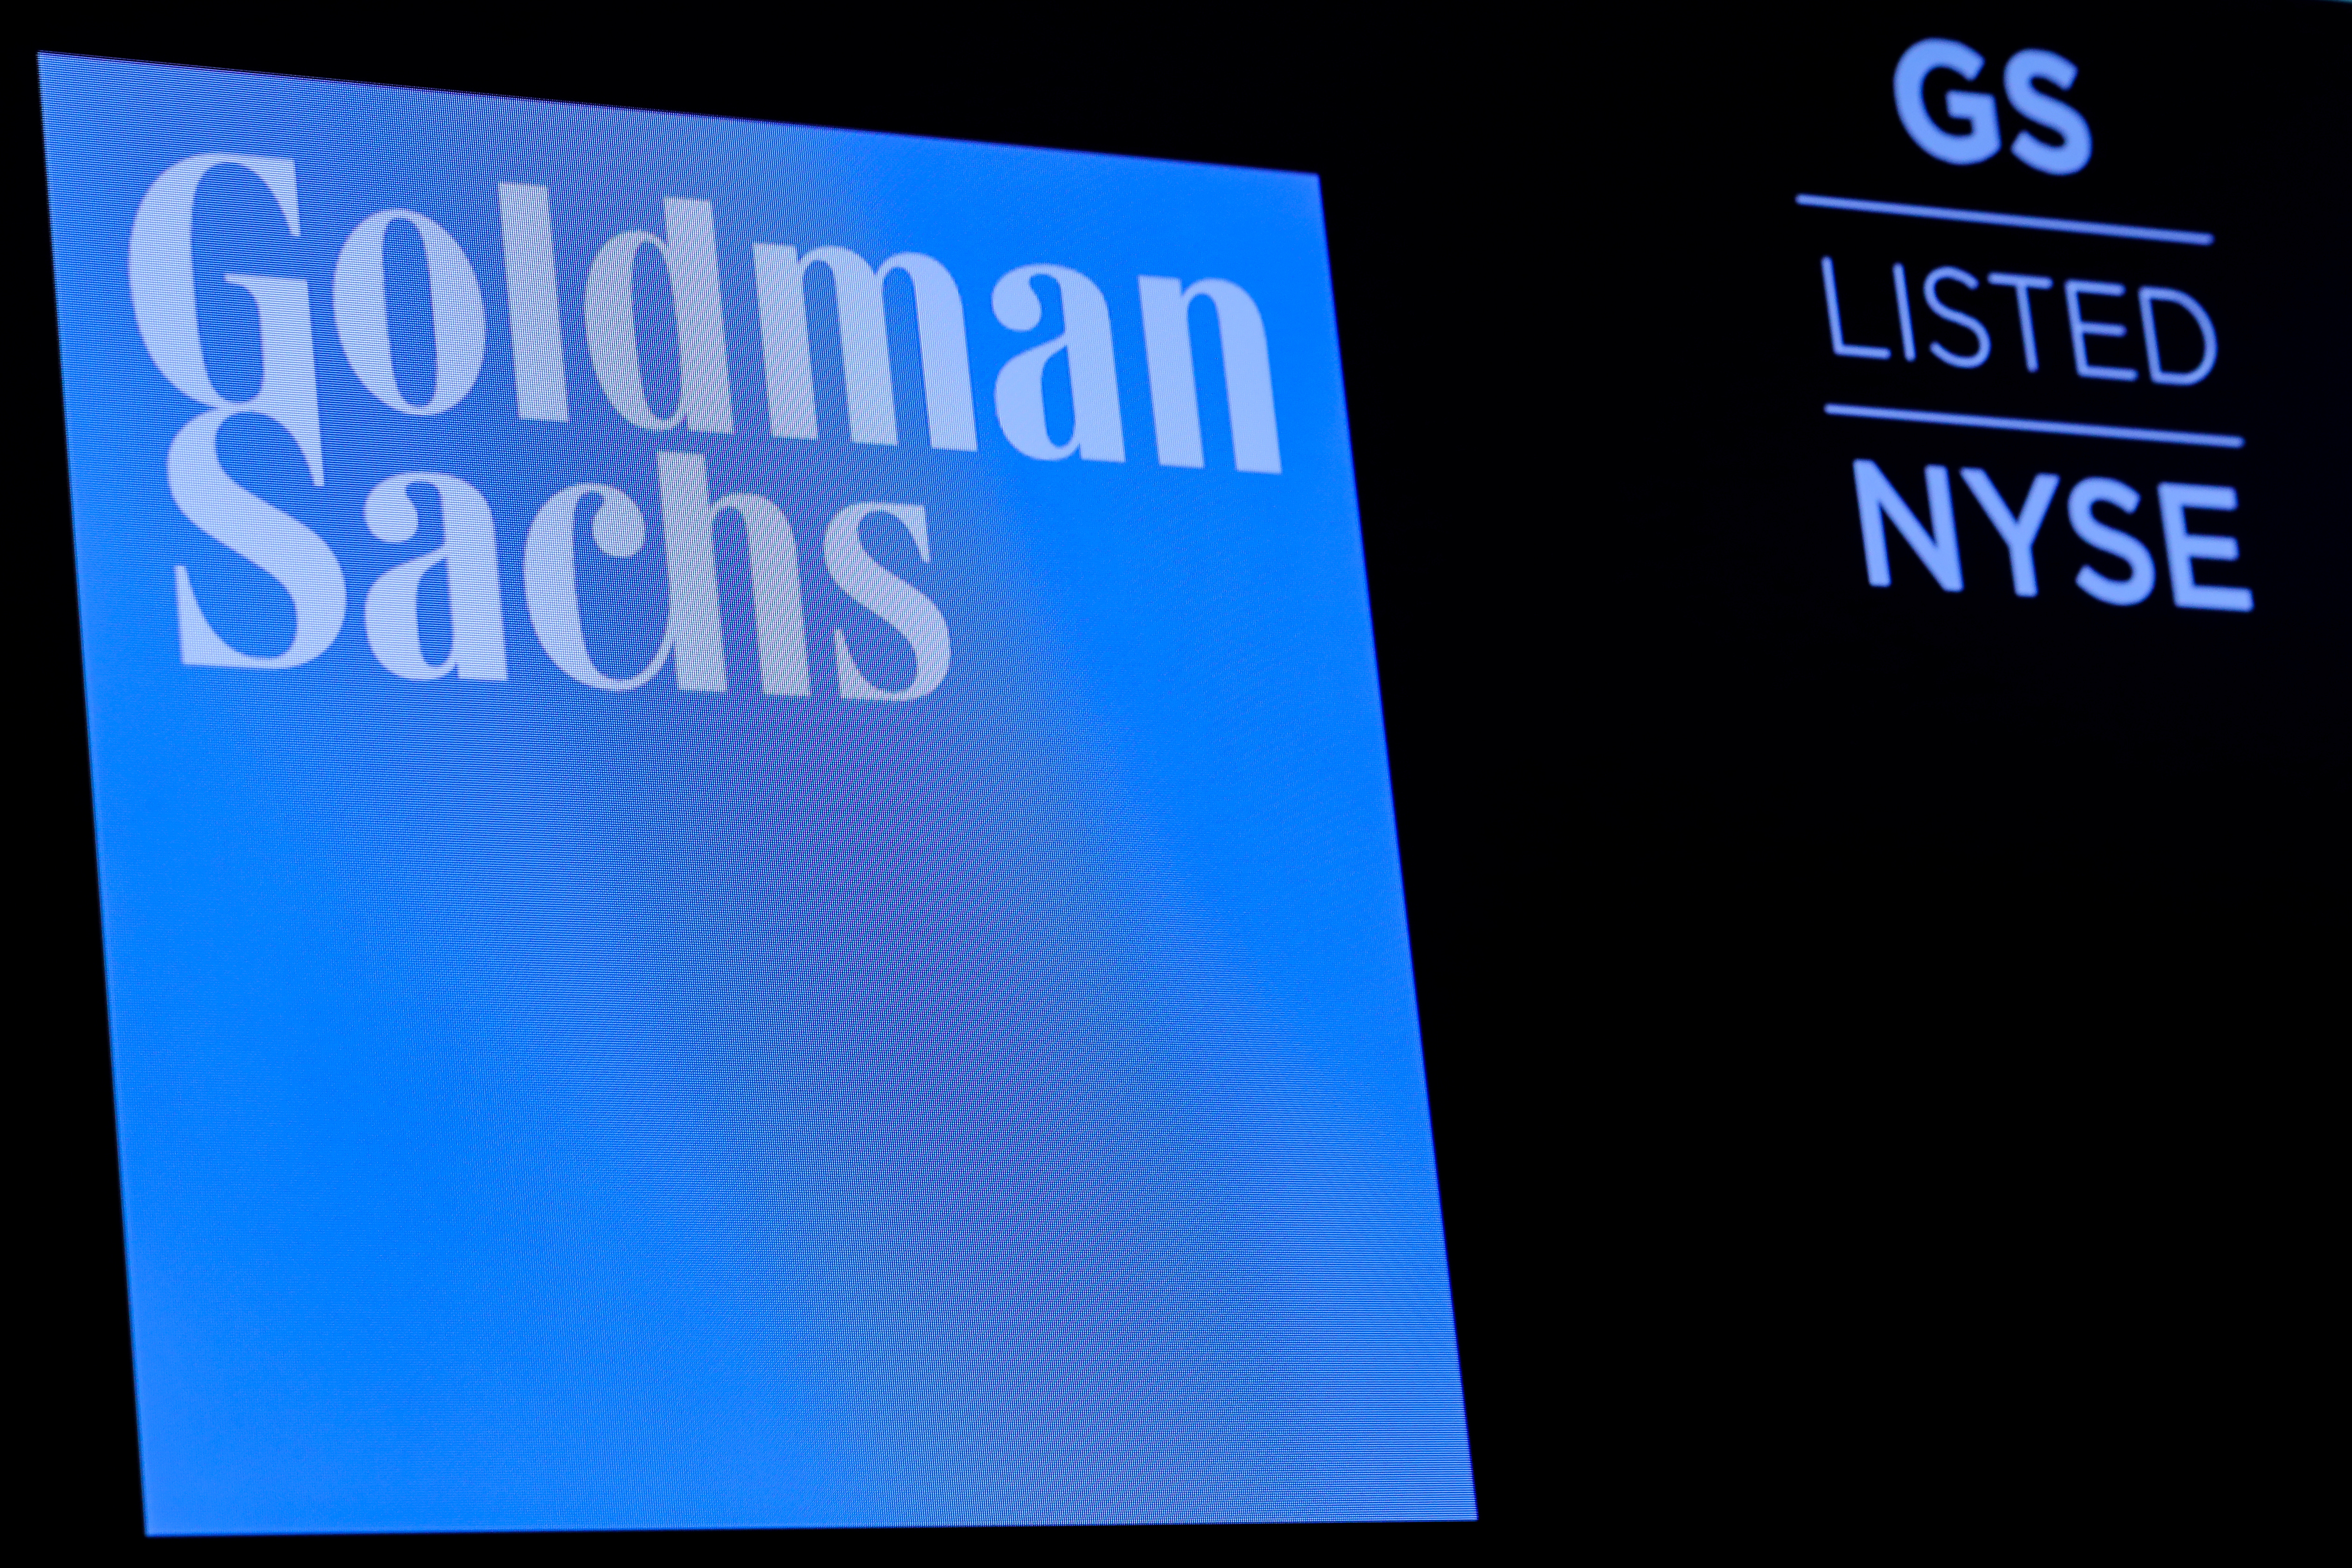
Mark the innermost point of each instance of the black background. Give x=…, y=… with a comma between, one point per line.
x=1878, y=1040
x=2059, y=743
x=1969, y=970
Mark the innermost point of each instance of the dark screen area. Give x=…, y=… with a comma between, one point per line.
x=2057, y=747
x=1977, y=955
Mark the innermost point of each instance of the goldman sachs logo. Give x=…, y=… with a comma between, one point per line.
x=163, y=301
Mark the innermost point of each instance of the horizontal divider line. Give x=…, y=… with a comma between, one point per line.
x=2033, y=426
x=2007, y=220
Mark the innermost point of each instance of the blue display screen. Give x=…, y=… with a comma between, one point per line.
x=744, y=839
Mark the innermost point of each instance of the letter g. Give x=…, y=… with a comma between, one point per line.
x=1911, y=72
x=163, y=301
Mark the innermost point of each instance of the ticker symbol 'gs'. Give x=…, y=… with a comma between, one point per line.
x=2021, y=81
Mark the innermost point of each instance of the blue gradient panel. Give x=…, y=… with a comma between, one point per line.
x=545, y=1106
